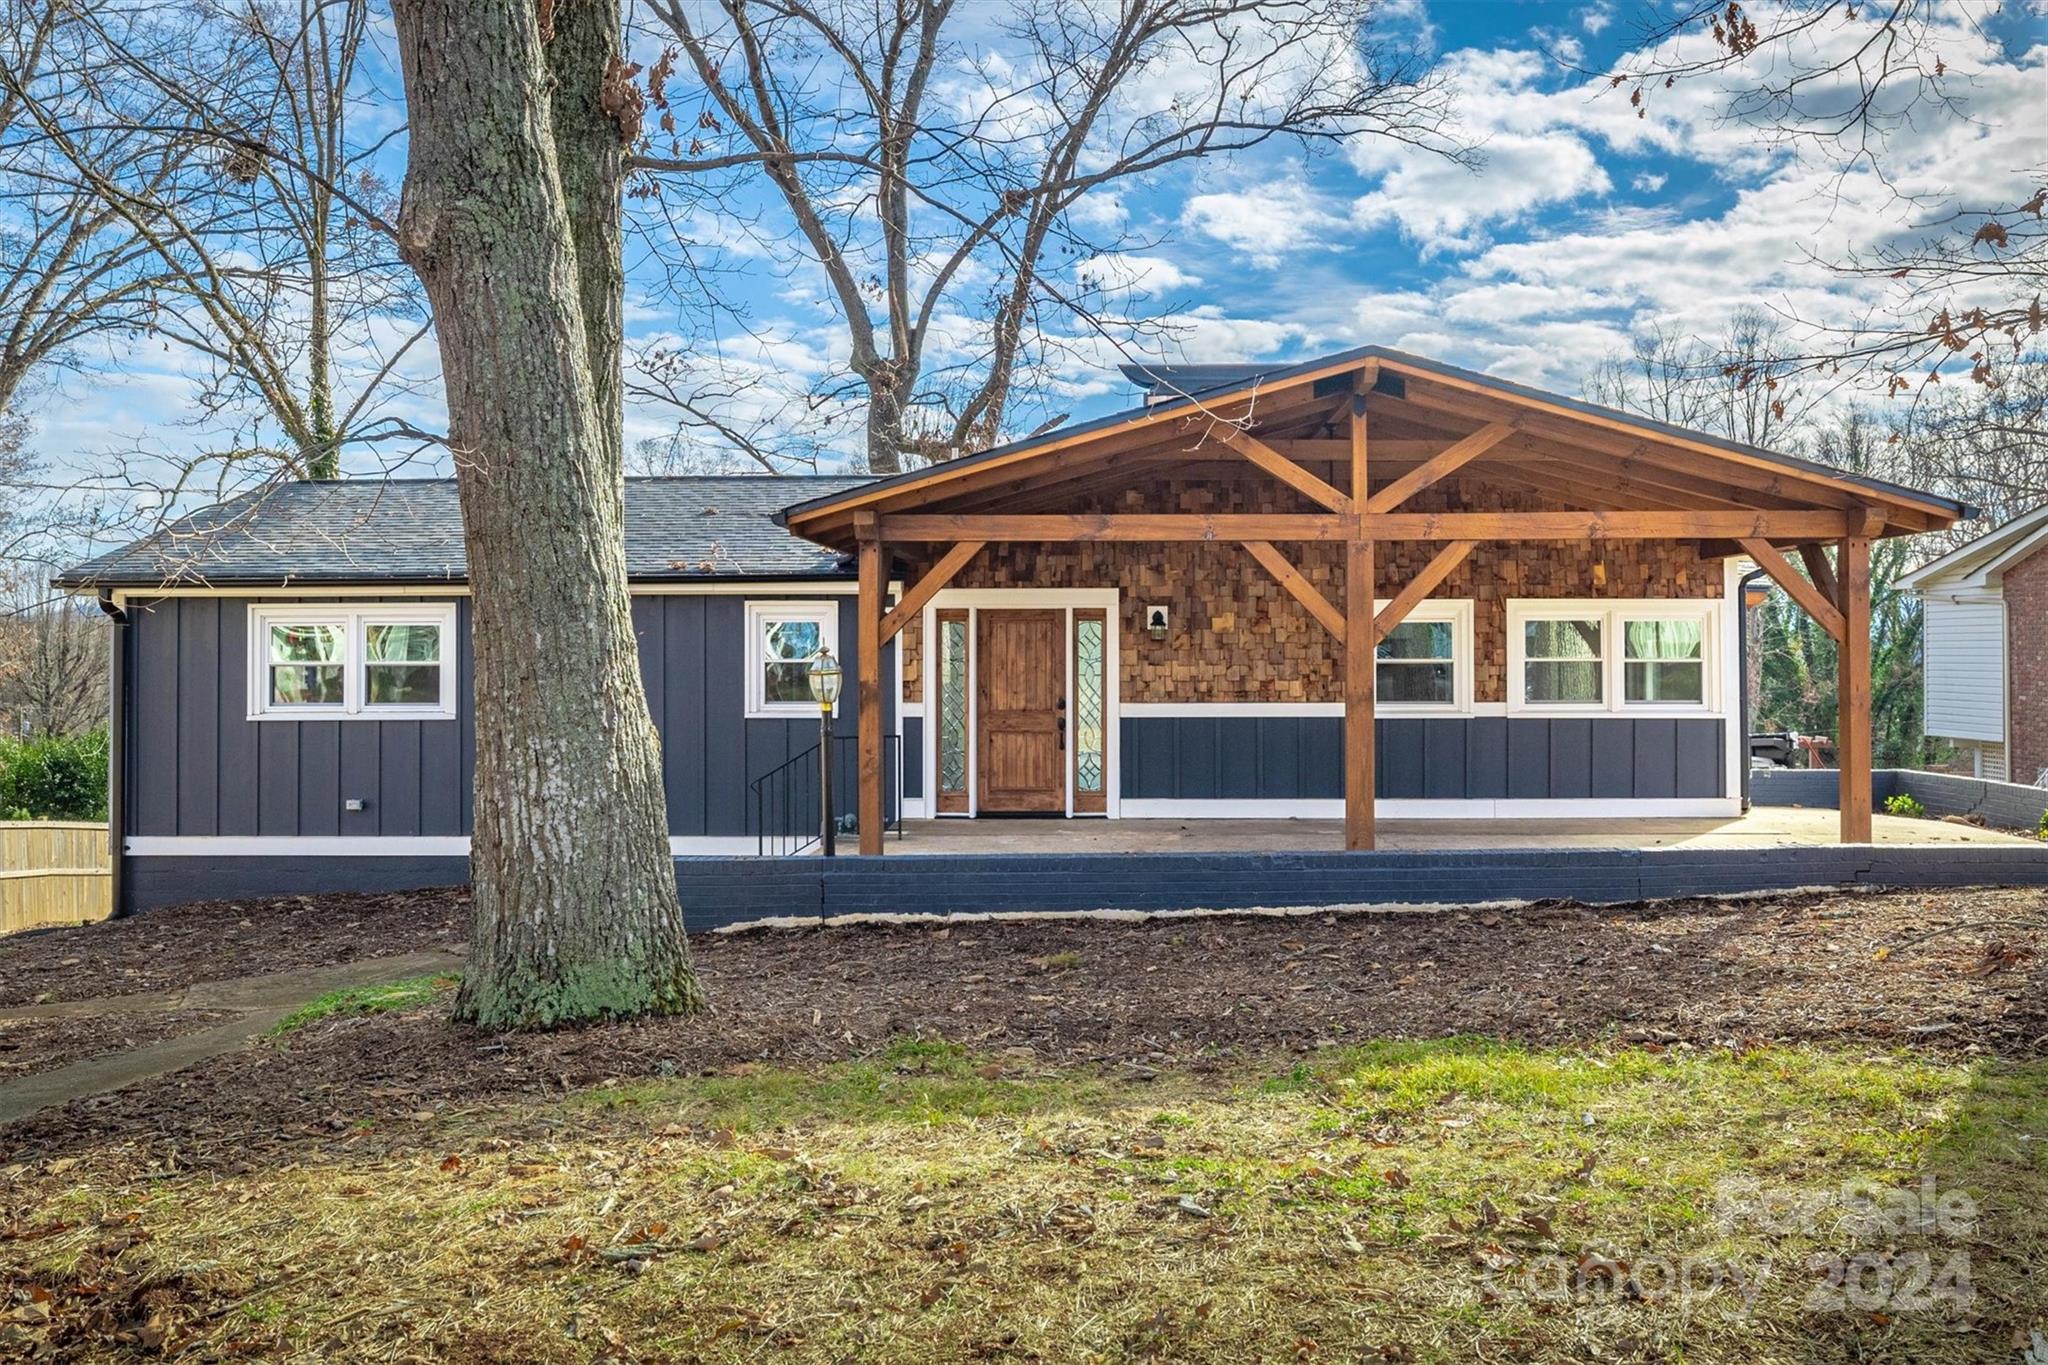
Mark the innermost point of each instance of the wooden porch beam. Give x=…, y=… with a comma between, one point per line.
x=1282, y=468
x=1852, y=691
x=1117, y=526
x=928, y=587
x=1459, y=397
x=868, y=679
x=1433, y=574
x=1821, y=572
x=924, y=528
x=1438, y=466
x=1688, y=525
x=1807, y=595
x=1361, y=769
x=1297, y=585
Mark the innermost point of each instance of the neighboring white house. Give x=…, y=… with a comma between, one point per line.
x=1977, y=633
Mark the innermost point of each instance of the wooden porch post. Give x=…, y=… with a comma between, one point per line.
x=1359, y=642
x=868, y=685
x=1852, y=690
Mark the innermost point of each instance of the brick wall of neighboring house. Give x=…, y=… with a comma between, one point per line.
x=1238, y=636
x=2026, y=663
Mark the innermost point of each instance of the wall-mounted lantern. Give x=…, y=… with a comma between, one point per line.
x=1156, y=624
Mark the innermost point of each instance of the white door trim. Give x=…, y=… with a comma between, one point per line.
x=975, y=600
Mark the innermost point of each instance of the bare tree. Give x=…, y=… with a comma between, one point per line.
x=244, y=174
x=1843, y=79
x=512, y=218
x=932, y=158
x=71, y=267
x=1987, y=445
x=53, y=659
x=1739, y=385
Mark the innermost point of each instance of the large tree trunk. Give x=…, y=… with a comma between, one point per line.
x=590, y=157
x=576, y=909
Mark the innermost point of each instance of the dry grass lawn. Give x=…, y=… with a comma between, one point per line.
x=1453, y=1200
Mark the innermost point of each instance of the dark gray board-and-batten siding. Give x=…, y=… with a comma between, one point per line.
x=197, y=766
x=1448, y=758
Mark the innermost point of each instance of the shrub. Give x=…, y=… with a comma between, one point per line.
x=1906, y=805
x=59, y=777
x=2043, y=829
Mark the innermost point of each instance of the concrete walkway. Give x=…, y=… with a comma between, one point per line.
x=1762, y=827
x=257, y=1002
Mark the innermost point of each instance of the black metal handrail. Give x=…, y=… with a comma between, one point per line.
x=788, y=810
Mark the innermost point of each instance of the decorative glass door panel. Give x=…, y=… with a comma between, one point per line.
x=1091, y=711
x=950, y=718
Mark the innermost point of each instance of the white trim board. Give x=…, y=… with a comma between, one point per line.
x=376, y=846
x=1332, y=808
x=718, y=587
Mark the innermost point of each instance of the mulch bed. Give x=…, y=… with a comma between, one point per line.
x=31, y=1046
x=220, y=940
x=1132, y=995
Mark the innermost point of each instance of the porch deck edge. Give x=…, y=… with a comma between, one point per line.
x=725, y=892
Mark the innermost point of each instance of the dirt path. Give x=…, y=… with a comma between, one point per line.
x=255, y=1002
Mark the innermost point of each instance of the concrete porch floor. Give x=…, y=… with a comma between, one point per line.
x=1763, y=827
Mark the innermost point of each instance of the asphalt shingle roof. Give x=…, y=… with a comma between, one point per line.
x=410, y=531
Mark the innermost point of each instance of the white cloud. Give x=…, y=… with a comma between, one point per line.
x=1264, y=222
x=1649, y=182
x=1129, y=272
x=1595, y=18
x=1438, y=203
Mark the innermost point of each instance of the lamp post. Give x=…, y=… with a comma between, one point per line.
x=824, y=676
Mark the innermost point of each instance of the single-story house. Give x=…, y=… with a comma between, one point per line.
x=1986, y=648
x=1368, y=585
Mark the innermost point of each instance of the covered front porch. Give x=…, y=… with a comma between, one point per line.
x=1370, y=585
x=1760, y=827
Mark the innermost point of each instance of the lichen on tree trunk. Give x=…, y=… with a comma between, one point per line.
x=577, y=916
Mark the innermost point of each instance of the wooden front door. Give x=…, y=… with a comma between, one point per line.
x=1020, y=716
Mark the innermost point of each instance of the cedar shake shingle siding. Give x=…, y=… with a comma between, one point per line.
x=1237, y=636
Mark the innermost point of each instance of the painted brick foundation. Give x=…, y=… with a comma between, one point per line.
x=719, y=892
x=2001, y=805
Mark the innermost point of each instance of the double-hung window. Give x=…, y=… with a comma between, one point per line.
x=381, y=661
x=1613, y=656
x=1564, y=660
x=782, y=639
x=1425, y=663
x=1664, y=659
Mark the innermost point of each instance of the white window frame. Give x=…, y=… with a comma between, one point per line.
x=1458, y=612
x=759, y=615
x=355, y=619
x=1614, y=615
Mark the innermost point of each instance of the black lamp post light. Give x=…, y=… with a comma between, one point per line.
x=825, y=676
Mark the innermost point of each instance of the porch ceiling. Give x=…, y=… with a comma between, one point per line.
x=1560, y=454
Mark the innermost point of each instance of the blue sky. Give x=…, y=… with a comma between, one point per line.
x=1584, y=225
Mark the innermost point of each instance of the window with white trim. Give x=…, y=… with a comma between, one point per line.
x=782, y=639
x=1425, y=662
x=370, y=661
x=1564, y=660
x=1663, y=659
x=1633, y=656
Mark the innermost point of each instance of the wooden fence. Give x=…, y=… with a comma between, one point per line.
x=53, y=872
